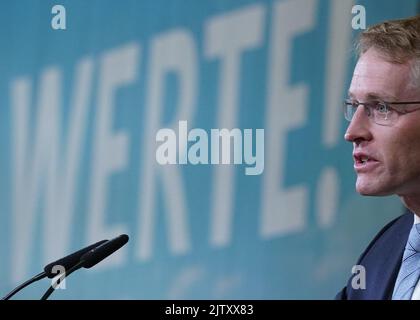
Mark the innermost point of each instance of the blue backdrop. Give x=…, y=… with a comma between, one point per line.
x=79, y=112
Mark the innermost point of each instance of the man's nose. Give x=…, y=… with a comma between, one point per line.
x=359, y=127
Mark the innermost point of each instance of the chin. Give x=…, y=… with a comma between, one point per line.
x=372, y=190
x=365, y=192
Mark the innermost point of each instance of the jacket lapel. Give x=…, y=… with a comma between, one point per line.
x=382, y=260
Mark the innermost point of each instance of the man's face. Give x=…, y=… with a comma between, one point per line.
x=393, y=151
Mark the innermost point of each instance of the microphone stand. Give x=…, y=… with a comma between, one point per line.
x=25, y=284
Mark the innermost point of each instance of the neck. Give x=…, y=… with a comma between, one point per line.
x=412, y=202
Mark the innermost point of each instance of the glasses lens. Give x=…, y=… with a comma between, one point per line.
x=349, y=110
x=383, y=115
x=379, y=112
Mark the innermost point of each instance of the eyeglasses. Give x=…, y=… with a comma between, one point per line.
x=380, y=112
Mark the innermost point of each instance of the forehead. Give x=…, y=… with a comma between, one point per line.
x=375, y=77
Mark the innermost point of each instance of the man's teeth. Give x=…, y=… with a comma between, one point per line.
x=364, y=159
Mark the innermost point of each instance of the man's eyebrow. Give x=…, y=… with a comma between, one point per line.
x=380, y=96
x=377, y=96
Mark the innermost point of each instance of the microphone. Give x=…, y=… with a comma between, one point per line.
x=91, y=258
x=67, y=262
x=71, y=260
x=102, y=251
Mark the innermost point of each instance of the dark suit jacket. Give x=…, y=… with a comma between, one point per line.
x=382, y=261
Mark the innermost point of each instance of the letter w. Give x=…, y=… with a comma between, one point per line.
x=37, y=164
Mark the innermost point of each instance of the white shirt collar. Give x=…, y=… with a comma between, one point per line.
x=416, y=219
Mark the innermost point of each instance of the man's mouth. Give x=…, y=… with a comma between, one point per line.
x=363, y=162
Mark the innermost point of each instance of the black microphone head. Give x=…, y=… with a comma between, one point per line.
x=99, y=253
x=69, y=261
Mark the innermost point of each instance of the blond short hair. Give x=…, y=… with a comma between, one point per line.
x=398, y=41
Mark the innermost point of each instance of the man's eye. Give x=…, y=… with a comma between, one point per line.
x=381, y=108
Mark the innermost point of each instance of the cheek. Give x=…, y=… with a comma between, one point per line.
x=393, y=153
x=402, y=156
x=411, y=160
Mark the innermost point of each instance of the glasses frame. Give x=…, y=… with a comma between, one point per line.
x=387, y=104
